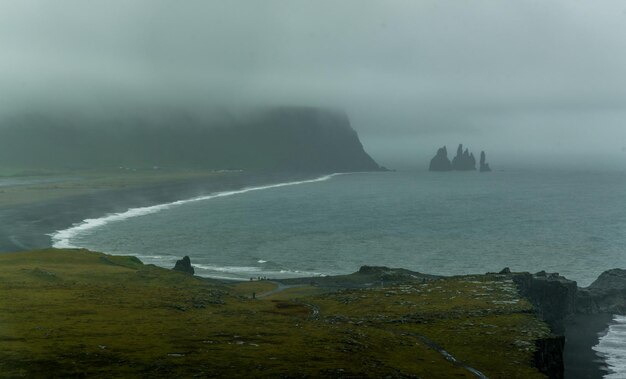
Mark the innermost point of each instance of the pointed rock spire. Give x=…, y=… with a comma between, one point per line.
x=440, y=161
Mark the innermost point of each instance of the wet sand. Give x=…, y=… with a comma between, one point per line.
x=582, y=333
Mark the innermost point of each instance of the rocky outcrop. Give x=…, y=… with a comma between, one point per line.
x=553, y=296
x=441, y=162
x=484, y=166
x=606, y=295
x=614, y=279
x=464, y=160
x=184, y=265
x=548, y=356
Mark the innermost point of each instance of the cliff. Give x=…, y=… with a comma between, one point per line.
x=553, y=296
x=276, y=139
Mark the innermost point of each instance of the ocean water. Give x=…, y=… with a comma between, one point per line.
x=572, y=222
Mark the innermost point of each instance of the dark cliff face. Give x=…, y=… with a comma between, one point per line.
x=309, y=139
x=554, y=299
x=287, y=139
x=553, y=296
x=548, y=356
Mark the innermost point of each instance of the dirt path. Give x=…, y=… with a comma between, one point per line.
x=279, y=288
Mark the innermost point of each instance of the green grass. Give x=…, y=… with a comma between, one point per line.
x=77, y=313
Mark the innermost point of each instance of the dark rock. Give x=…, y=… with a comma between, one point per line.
x=611, y=279
x=553, y=296
x=463, y=161
x=440, y=162
x=484, y=166
x=505, y=271
x=184, y=265
x=548, y=356
x=606, y=295
x=373, y=270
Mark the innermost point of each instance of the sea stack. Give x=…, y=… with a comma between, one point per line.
x=464, y=160
x=440, y=162
x=184, y=265
x=484, y=166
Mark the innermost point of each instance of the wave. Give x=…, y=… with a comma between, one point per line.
x=62, y=238
x=612, y=347
x=240, y=271
x=231, y=269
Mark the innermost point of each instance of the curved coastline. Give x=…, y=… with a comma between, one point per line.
x=62, y=238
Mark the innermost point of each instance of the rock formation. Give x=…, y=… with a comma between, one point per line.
x=441, y=162
x=463, y=161
x=184, y=265
x=606, y=295
x=484, y=166
x=548, y=356
x=552, y=295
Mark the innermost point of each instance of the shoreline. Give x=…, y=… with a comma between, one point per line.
x=28, y=226
x=582, y=333
x=61, y=238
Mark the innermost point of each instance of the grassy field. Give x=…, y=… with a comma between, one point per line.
x=75, y=313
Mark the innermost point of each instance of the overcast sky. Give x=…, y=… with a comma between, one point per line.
x=526, y=76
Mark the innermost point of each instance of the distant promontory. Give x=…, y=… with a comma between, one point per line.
x=279, y=139
x=463, y=161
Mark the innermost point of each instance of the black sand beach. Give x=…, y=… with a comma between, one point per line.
x=26, y=226
x=581, y=334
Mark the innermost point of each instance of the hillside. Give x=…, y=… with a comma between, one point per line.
x=279, y=139
x=75, y=313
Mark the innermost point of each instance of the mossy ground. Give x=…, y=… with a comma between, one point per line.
x=74, y=313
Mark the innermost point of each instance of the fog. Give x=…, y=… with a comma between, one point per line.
x=528, y=81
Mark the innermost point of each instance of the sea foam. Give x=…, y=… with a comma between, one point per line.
x=63, y=238
x=612, y=347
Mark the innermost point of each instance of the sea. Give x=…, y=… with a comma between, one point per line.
x=448, y=223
